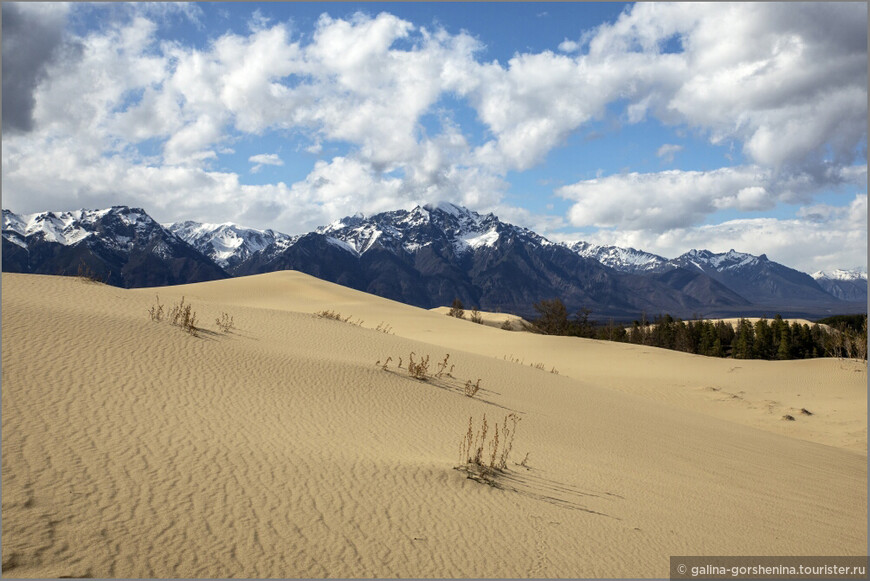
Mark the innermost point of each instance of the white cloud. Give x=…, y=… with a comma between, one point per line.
x=774, y=81
x=569, y=46
x=264, y=159
x=673, y=199
x=667, y=151
x=816, y=238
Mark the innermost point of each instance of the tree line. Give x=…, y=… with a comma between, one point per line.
x=764, y=339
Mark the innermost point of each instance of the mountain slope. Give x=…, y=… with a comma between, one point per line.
x=123, y=246
x=228, y=244
x=758, y=279
x=618, y=258
x=847, y=285
x=432, y=254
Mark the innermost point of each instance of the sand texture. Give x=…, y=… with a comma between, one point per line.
x=279, y=449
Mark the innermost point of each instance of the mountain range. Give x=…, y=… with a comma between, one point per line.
x=427, y=256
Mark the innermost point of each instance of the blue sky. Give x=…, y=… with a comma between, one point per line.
x=659, y=126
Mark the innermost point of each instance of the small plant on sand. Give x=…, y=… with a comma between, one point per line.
x=225, y=322
x=328, y=314
x=418, y=370
x=457, y=309
x=476, y=317
x=385, y=328
x=182, y=315
x=473, y=445
x=156, y=310
x=443, y=366
x=472, y=388
x=506, y=326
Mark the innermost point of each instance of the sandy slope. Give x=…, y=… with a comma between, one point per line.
x=279, y=450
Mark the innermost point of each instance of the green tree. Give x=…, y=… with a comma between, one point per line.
x=457, y=309
x=553, y=319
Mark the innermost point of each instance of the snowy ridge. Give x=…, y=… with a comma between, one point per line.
x=69, y=228
x=412, y=230
x=618, y=258
x=228, y=242
x=858, y=273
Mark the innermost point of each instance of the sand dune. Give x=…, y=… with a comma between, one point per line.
x=131, y=449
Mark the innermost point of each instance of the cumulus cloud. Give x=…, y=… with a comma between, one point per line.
x=775, y=79
x=774, y=82
x=675, y=198
x=264, y=159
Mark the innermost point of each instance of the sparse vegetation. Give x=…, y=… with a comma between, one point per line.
x=457, y=309
x=472, y=388
x=182, y=315
x=329, y=314
x=473, y=445
x=476, y=317
x=225, y=322
x=507, y=326
x=418, y=370
x=385, y=328
x=443, y=366
x=156, y=310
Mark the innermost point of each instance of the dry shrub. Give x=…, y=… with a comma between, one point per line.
x=418, y=370
x=471, y=388
x=182, y=315
x=471, y=449
x=507, y=326
x=225, y=322
x=476, y=317
x=156, y=310
x=385, y=328
x=457, y=309
x=328, y=314
x=442, y=366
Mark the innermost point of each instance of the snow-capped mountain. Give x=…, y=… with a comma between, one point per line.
x=618, y=258
x=431, y=254
x=122, y=245
x=422, y=226
x=848, y=285
x=858, y=273
x=228, y=244
x=425, y=256
x=757, y=278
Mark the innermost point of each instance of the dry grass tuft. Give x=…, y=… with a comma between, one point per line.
x=225, y=322
x=182, y=315
x=442, y=366
x=328, y=314
x=471, y=449
x=476, y=317
x=507, y=326
x=418, y=370
x=156, y=310
x=385, y=328
x=472, y=388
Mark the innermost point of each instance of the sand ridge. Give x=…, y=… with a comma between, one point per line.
x=131, y=449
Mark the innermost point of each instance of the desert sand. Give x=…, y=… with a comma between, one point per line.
x=279, y=449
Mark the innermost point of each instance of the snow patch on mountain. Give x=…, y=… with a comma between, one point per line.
x=857, y=273
x=618, y=258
